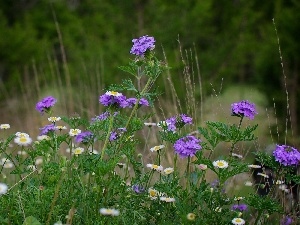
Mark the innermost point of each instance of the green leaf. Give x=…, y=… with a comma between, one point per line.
x=30, y=220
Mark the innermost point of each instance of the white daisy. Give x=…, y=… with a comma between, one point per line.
x=113, y=93
x=279, y=182
x=155, y=167
x=20, y=134
x=78, y=151
x=6, y=163
x=4, y=126
x=222, y=164
x=168, y=170
x=74, y=132
x=109, y=212
x=156, y=148
x=167, y=199
x=22, y=153
x=23, y=140
x=3, y=188
x=238, y=198
x=61, y=128
x=42, y=137
x=153, y=193
x=238, y=221
x=54, y=119
x=38, y=161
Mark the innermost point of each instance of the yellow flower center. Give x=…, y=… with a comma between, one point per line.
x=114, y=93
x=155, y=166
x=221, y=164
x=23, y=139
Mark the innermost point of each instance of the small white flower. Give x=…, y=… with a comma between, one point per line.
x=238, y=198
x=201, y=166
x=156, y=148
x=191, y=216
x=263, y=175
x=254, y=166
x=20, y=134
x=22, y=153
x=279, y=182
x=113, y=93
x=284, y=188
x=248, y=183
x=38, y=161
x=61, y=128
x=78, y=151
x=3, y=188
x=168, y=170
x=153, y=193
x=23, y=140
x=95, y=152
x=150, y=124
x=54, y=119
x=237, y=155
x=43, y=137
x=74, y=132
x=4, y=126
x=222, y=164
x=109, y=212
x=218, y=209
x=31, y=167
x=155, y=167
x=238, y=221
x=167, y=199
x=6, y=163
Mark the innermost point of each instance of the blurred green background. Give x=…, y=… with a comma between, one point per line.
x=72, y=50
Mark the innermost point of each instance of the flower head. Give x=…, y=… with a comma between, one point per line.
x=47, y=129
x=187, y=146
x=238, y=221
x=4, y=126
x=109, y=212
x=132, y=101
x=3, y=188
x=113, y=98
x=84, y=137
x=201, y=166
x=114, y=135
x=286, y=221
x=141, y=45
x=22, y=139
x=138, y=188
x=74, y=132
x=54, y=119
x=45, y=104
x=175, y=122
x=286, y=155
x=167, y=199
x=222, y=164
x=168, y=170
x=78, y=151
x=243, y=109
x=155, y=167
x=101, y=117
x=157, y=148
x=6, y=163
x=153, y=193
x=239, y=207
x=191, y=216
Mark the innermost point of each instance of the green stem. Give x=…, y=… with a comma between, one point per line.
x=188, y=174
x=111, y=120
x=258, y=217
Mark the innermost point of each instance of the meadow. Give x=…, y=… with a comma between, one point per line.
x=142, y=159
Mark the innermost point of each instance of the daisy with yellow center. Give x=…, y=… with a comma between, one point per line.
x=20, y=134
x=279, y=182
x=74, y=132
x=23, y=140
x=191, y=216
x=155, y=167
x=60, y=128
x=168, y=170
x=4, y=126
x=153, y=193
x=113, y=93
x=78, y=151
x=238, y=198
x=238, y=221
x=43, y=137
x=222, y=164
x=109, y=212
x=54, y=119
x=156, y=148
x=167, y=199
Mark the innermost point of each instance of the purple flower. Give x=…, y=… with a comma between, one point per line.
x=141, y=45
x=171, y=123
x=286, y=155
x=215, y=183
x=46, y=104
x=186, y=119
x=187, y=146
x=132, y=101
x=178, y=122
x=286, y=221
x=84, y=137
x=138, y=188
x=48, y=128
x=114, y=135
x=243, y=109
x=240, y=207
x=102, y=116
x=113, y=98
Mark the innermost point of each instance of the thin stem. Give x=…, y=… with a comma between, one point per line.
x=188, y=174
x=111, y=120
x=258, y=217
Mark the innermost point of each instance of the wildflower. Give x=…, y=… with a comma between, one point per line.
x=286, y=221
x=54, y=119
x=109, y=212
x=284, y=188
x=20, y=134
x=215, y=183
x=60, y=128
x=248, y=183
x=113, y=98
x=238, y=221
x=168, y=170
x=74, y=132
x=155, y=167
x=22, y=152
x=201, y=166
x=237, y=155
x=132, y=101
x=78, y=151
x=43, y=137
x=156, y=148
x=191, y=216
x=263, y=175
x=153, y=193
x=47, y=129
x=279, y=182
x=254, y=166
x=3, y=188
x=187, y=146
x=218, y=209
x=114, y=135
x=23, y=139
x=38, y=161
x=101, y=117
x=243, y=109
x=84, y=137
x=150, y=124
x=4, y=126
x=138, y=188
x=239, y=207
x=286, y=155
x=141, y=45
x=177, y=122
x=238, y=198
x=167, y=199
x=45, y=104
x=6, y=163
x=222, y=164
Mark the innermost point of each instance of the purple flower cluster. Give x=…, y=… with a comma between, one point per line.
x=286, y=221
x=45, y=104
x=101, y=117
x=141, y=45
x=138, y=188
x=286, y=155
x=239, y=207
x=177, y=122
x=120, y=101
x=84, y=137
x=114, y=135
x=243, y=109
x=187, y=146
x=48, y=128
